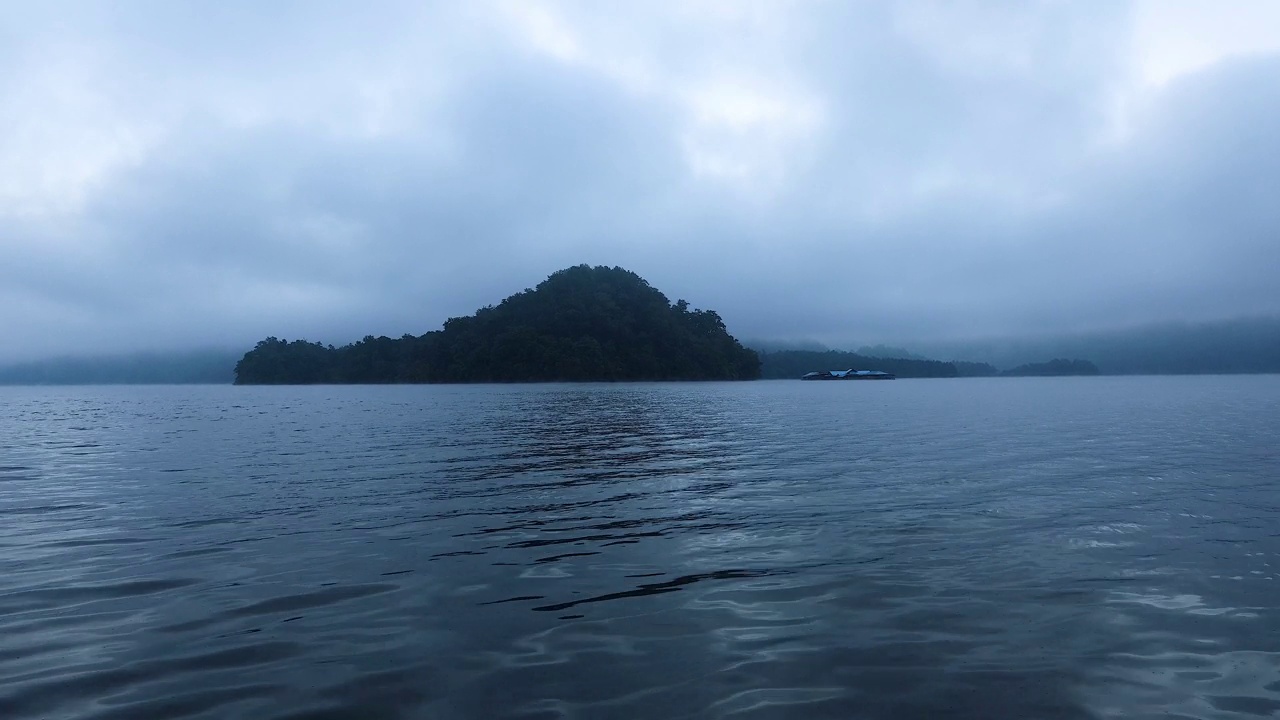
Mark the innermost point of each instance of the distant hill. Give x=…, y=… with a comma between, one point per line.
x=887, y=351
x=1054, y=368
x=191, y=367
x=770, y=346
x=581, y=323
x=1247, y=345
x=974, y=369
x=794, y=363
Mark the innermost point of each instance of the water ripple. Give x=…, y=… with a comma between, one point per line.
x=1072, y=548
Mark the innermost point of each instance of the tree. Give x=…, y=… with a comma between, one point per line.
x=581, y=323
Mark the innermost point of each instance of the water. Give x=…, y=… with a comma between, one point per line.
x=1052, y=548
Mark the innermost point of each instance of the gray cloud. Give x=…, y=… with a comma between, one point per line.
x=183, y=175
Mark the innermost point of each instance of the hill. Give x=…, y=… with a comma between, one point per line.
x=582, y=323
x=1053, y=368
x=1244, y=345
x=888, y=351
x=794, y=363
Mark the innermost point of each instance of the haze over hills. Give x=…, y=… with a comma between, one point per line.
x=795, y=363
x=180, y=367
x=1249, y=345
x=1245, y=345
x=1027, y=169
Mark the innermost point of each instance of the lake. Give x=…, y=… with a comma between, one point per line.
x=976, y=548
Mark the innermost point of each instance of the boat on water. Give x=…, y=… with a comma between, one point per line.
x=849, y=375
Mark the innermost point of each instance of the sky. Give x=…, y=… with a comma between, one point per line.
x=177, y=175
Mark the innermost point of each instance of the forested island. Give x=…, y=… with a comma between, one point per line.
x=580, y=324
x=609, y=324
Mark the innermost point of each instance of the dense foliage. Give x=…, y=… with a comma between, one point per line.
x=1057, y=366
x=794, y=363
x=581, y=323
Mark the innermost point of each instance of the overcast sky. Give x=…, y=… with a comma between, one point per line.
x=207, y=174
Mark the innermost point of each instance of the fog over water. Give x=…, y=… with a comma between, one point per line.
x=193, y=175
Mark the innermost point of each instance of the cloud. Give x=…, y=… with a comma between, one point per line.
x=183, y=175
x=1178, y=37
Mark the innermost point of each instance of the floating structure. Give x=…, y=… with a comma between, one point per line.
x=849, y=375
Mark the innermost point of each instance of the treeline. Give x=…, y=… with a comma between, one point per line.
x=794, y=363
x=371, y=360
x=1053, y=368
x=581, y=323
x=1246, y=345
x=974, y=369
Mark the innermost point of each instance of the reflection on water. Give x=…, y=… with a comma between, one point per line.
x=1072, y=548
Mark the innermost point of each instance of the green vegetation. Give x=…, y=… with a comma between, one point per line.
x=794, y=363
x=581, y=323
x=1054, y=367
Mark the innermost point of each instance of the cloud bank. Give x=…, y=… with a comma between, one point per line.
x=184, y=174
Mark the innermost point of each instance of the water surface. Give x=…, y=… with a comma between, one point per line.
x=1052, y=548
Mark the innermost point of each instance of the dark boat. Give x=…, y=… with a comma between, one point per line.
x=849, y=375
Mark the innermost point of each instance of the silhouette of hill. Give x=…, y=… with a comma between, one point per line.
x=1053, y=368
x=1244, y=345
x=581, y=323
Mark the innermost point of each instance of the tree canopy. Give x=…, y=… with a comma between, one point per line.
x=581, y=323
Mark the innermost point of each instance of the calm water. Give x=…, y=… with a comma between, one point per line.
x=1020, y=548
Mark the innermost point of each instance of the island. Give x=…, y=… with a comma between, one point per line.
x=582, y=323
